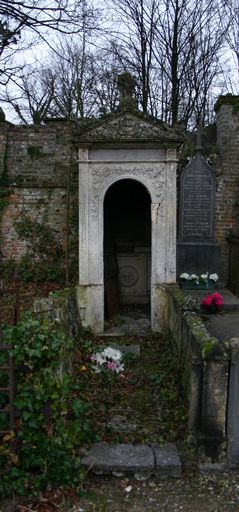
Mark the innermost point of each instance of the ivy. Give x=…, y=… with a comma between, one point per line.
x=51, y=424
x=39, y=271
x=34, y=152
x=4, y=188
x=40, y=237
x=44, y=259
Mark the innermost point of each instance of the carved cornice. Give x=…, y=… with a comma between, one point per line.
x=129, y=127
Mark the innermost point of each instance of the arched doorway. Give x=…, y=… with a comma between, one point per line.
x=127, y=247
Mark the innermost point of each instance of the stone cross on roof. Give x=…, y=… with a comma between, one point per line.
x=126, y=85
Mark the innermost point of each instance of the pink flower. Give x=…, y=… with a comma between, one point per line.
x=212, y=301
x=111, y=365
x=216, y=296
x=218, y=303
x=207, y=301
x=217, y=300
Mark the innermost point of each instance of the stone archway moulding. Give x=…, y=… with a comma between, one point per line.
x=95, y=178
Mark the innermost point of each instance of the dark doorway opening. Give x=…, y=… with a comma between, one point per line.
x=127, y=247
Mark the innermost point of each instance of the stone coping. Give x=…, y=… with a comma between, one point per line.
x=141, y=460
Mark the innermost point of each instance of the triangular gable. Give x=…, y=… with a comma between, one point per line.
x=126, y=127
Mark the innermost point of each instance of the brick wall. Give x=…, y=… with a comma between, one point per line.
x=227, y=175
x=44, y=205
x=38, y=160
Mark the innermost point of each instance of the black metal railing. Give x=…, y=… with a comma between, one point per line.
x=7, y=372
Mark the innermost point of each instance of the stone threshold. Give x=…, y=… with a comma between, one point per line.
x=140, y=461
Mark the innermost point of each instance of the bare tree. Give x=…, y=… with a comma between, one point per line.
x=189, y=39
x=105, y=89
x=172, y=47
x=74, y=78
x=33, y=96
x=133, y=48
x=79, y=84
x=231, y=10
x=63, y=16
x=25, y=22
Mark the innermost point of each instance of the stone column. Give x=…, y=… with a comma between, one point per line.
x=90, y=292
x=214, y=404
x=195, y=395
x=233, y=406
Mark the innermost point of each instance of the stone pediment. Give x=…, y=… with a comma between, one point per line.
x=129, y=127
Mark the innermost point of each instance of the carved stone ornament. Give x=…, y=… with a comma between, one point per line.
x=152, y=177
x=130, y=127
x=128, y=276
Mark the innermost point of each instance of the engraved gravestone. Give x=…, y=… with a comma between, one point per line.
x=197, y=195
x=197, y=250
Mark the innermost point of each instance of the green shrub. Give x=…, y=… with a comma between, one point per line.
x=51, y=425
x=30, y=270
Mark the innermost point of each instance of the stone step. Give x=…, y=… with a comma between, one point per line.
x=125, y=349
x=140, y=460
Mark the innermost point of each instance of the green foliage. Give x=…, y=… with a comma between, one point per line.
x=148, y=393
x=40, y=237
x=129, y=359
x=227, y=99
x=4, y=190
x=44, y=258
x=4, y=198
x=34, y=152
x=31, y=270
x=52, y=424
x=8, y=268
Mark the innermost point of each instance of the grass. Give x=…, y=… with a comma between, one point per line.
x=145, y=404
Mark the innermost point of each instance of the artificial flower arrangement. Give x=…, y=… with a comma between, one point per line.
x=212, y=303
x=108, y=359
x=197, y=279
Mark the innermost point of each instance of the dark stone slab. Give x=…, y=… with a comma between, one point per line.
x=212, y=467
x=106, y=458
x=167, y=461
x=141, y=460
x=233, y=278
x=233, y=407
x=223, y=326
x=125, y=349
x=197, y=198
x=197, y=258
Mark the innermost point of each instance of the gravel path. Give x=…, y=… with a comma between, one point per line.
x=204, y=493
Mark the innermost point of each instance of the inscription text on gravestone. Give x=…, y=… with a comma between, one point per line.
x=196, y=201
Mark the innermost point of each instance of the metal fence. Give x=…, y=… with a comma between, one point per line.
x=7, y=372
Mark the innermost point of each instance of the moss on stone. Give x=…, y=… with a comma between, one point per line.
x=34, y=152
x=209, y=345
x=183, y=301
x=59, y=296
x=227, y=99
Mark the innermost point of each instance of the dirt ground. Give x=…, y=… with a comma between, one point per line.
x=204, y=493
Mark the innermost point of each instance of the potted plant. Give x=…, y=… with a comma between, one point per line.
x=205, y=281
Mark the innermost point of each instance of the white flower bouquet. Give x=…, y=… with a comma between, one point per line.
x=206, y=279
x=109, y=359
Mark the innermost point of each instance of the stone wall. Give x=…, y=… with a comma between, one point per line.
x=233, y=241
x=43, y=205
x=227, y=175
x=203, y=362
x=39, y=175
x=35, y=162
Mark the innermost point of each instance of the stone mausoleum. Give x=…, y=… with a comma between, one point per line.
x=109, y=191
